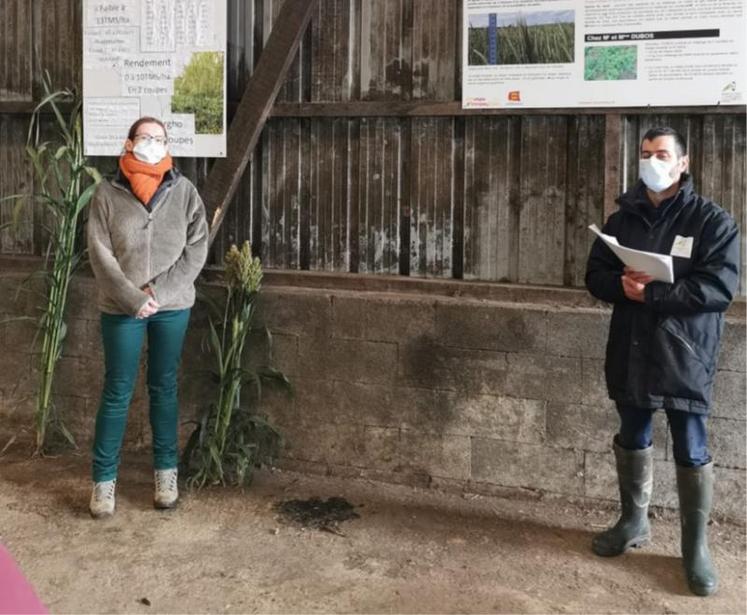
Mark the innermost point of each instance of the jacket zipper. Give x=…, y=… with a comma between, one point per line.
x=685, y=343
x=148, y=227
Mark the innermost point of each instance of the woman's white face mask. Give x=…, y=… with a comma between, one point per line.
x=149, y=151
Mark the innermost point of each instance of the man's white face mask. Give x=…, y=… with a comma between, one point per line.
x=656, y=174
x=149, y=151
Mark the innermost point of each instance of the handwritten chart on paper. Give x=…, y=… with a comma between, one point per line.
x=162, y=58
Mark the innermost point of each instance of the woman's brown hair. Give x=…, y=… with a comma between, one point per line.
x=145, y=120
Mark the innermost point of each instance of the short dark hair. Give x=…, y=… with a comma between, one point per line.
x=665, y=131
x=145, y=120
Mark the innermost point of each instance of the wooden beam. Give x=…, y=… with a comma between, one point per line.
x=28, y=107
x=454, y=108
x=16, y=108
x=254, y=108
x=613, y=160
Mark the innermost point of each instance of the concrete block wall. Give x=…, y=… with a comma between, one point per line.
x=484, y=396
x=459, y=393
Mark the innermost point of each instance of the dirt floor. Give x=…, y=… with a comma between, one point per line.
x=411, y=551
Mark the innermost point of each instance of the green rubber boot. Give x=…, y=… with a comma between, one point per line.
x=635, y=476
x=695, y=488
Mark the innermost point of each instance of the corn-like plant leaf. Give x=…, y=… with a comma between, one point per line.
x=94, y=174
x=84, y=198
x=217, y=349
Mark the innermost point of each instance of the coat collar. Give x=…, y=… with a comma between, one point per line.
x=634, y=200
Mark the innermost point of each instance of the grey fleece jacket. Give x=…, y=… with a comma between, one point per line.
x=131, y=247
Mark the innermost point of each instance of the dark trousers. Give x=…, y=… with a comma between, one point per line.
x=689, y=435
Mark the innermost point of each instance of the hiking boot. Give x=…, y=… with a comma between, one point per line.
x=102, y=499
x=167, y=491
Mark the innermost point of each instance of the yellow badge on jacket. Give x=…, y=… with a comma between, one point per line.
x=682, y=247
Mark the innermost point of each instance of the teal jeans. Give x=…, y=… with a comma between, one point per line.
x=123, y=340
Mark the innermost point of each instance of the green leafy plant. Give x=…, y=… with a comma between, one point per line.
x=231, y=438
x=64, y=184
x=614, y=63
x=199, y=90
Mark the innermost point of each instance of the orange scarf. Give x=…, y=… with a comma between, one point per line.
x=144, y=178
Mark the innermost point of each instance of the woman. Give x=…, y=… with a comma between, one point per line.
x=147, y=242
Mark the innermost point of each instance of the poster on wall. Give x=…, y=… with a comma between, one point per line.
x=605, y=53
x=161, y=58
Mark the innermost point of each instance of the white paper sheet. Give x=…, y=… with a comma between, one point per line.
x=658, y=266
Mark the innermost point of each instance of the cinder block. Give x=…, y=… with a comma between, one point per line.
x=382, y=318
x=76, y=377
x=79, y=416
x=279, y=351
x=19, y=335
x=665, y=485
x=532, y=376
x=401, y=318
x=733, y=355
x=501, y=418
x=348, y=316
x=426, y=410
x=196, y=388
x=314, y=401
x=600, y=476
x=661, y=437
x=284, y=356
x=21, y=297
x=409, y=452
x=578, y=333
x=16, y=374
x=82, y=298
x=425, y=363
x=83, y=340
x=469, y=324
x=279, y=407
x=593, y=384
x=8, y=291
x=324, y=442
x=727, y=439
x=296, y=312
x=730, y=395
x=589, y=428
x=728, y=494
x=348, y=360
x=531, y=466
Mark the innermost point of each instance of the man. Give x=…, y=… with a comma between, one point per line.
x=663, y=343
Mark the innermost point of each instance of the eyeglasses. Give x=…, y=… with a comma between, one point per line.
x=151, y=139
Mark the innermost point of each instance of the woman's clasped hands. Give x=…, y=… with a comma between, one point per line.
x=150, y=307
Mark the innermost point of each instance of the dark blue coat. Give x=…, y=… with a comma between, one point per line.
x=663, y=353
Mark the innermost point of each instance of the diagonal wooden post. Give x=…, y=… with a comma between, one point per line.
x=255, y=106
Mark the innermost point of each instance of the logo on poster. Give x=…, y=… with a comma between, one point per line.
x=514, y=96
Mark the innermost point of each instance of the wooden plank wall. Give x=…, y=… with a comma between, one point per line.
x=498, y=198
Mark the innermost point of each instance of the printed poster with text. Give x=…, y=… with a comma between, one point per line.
x=162, y=58
x=605, y=53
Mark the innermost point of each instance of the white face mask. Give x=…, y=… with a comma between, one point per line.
x=656, y=174
x=150, y=152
